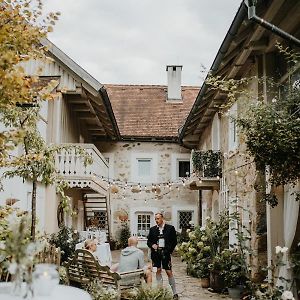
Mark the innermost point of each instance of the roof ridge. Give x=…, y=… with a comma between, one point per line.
x=148, y=85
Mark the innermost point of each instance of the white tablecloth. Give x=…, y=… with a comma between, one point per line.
x=97, y=234
x=60, y=292
x=103, y=253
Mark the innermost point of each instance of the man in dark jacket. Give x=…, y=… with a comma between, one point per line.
x=162, y=241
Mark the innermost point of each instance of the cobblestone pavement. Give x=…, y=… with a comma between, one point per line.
x=188, y=288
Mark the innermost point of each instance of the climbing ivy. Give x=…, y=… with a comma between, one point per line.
x=207, y=163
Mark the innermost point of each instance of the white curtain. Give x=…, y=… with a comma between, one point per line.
x=290, y=219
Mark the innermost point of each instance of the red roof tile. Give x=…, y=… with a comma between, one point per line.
x=142, y=110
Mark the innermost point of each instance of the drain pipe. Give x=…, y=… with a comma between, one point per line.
x=252, y=16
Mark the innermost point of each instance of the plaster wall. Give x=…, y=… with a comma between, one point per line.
x=122, y=163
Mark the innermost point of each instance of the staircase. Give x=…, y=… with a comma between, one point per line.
x=96, y=213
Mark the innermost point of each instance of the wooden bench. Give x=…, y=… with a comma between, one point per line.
x=83, y=268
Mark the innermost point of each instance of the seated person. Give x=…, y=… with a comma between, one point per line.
x=91, y=246
x=132, y=258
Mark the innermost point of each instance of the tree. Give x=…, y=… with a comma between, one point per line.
x=21, y=30
x=271, y=128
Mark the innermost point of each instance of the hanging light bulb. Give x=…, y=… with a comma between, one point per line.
x=145, y=201
x=126, y=184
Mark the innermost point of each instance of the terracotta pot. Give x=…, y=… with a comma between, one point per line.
x=204, y=282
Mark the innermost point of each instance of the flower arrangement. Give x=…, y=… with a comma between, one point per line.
x=17, y=251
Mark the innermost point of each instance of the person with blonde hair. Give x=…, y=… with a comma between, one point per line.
x=91, y=246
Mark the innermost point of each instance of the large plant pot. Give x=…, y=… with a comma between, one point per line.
x=216, y=281
x=204, y=282
x=235, y=293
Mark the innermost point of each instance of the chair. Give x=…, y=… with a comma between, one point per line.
x=50, y=255
x=83, y=268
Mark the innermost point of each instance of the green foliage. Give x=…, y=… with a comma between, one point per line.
x=99, y=292
x=66, y=239
x=203, y=245
x=231, y=266
x=272, y=135
x=207, y=163
x=124, y=235
x=21, y=29
x=146, y=293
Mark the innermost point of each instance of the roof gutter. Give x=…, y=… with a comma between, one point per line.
x=253, y=17
x=235, y=25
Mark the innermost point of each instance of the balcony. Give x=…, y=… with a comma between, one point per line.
x=70, y=166
x=207, y=170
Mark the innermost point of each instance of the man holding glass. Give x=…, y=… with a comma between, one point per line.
x=162, y=241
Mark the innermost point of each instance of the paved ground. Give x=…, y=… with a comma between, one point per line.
x=188, y=288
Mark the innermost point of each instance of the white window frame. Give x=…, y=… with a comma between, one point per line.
x=135, y=157
x=150, y=214
x=233, y=224
x=175, y=159
x=215, y=133
x=134, y=211
x=232, y=128
x=223, y=194
x=175, y=215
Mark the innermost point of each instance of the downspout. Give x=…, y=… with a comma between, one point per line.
x=252, y=16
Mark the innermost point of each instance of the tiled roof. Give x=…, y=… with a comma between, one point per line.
x=142, y=110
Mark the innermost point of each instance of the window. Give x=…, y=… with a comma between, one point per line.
x=184, y=219
x=100, y=216
x=183, y=168
x=232, y=142
x=143, y=224
x=144, y=167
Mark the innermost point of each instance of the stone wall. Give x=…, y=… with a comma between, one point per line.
x=121, y=163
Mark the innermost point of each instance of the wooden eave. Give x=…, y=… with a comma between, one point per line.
x=91, y=113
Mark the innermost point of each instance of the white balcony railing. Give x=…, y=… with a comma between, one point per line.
x=70, y=165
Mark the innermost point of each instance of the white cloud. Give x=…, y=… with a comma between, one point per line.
x=131, y=41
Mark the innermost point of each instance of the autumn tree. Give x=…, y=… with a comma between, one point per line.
x=22, y=28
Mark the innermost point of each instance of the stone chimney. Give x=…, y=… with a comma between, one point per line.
x=174, y=82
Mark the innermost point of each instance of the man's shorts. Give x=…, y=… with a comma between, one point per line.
x=161, y=260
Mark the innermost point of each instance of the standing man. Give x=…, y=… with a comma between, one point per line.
x=162, y=241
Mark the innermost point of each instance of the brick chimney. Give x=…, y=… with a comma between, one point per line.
x=174, y=82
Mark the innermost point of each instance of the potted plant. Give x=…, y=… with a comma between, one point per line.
x=233, y=271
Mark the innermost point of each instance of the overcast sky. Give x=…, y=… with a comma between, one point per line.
x=132, y=41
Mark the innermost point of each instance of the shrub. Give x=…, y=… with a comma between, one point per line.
x=124, y=235
x=99, y=292
x=66, y=239
x=147, y=293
